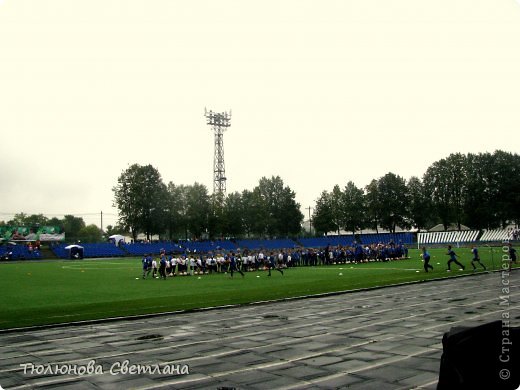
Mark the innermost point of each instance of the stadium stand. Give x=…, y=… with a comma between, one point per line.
x=495, y=235
x=450, y=237
x=266, y=244
x=405, y=238
x=348, y=239
x=90, y=250
x=139, y=249
x=207, y=246
x=18, y=252
x=60, y=251
x=322, y=242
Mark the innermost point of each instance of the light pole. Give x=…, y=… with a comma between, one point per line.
x=310, y=221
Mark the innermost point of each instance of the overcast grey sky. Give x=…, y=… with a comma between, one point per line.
x=322, y=92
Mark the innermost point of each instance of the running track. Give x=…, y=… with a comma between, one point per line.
x=386, y=338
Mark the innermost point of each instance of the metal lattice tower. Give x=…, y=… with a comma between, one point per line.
x=219, y=122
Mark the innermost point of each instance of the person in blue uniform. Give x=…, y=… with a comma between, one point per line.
x=512, y=256
x=426, y=257
x=476, y=258
x=233, y=265
x=162, y=266
x=358, y=253
x=453, y=259
x=147, y=265
x=271, y=264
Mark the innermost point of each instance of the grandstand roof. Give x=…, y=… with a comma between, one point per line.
x=452, y=227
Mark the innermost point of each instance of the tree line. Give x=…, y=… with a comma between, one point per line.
x=481, y=191
x=146, y=204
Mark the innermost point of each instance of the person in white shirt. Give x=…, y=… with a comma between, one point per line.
x=221, y=263
x=245, y=263
x=173, y=265
x=182, y=266
x=168, y=266
x=191, y=264
x=198, y=265
x=260, y=260
x=209, y=264
x=154, y=268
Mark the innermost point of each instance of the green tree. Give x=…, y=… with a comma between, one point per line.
x=254, y=213
x=90, y=233
x=419, y=205
x=373, y=205
x=458, y=176
x=116, y=229
x=37, y=219
x=141, y=198
x=54, y=221
x=393, y=199
x=216, y=222
x=18, y=220
x=265, y=205
x=197, y=209
x=322, y=218
x=289, y=218
x=233, y=213
x=72, y=226
x=281, y=213
x=354, y=209
x=337, y=207
x=482, y=192
x=176, y=208
x=437, y=183
x=23, y=219
x=445, y=180
x=506, y=171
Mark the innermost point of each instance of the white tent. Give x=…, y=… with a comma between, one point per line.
x=73, y=246
x=117, y=238
x=75, y=251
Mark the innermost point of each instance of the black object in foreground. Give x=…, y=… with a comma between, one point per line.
x=482, y=357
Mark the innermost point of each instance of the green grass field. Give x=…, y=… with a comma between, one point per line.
x=51, y=292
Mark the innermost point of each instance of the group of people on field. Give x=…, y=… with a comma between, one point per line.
x=355, y=253
x=475, y=259
x=246, y=261
x=170, y=265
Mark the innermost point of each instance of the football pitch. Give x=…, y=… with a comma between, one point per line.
x=52, y=292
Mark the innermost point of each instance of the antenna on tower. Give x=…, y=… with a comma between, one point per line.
x=219, y=122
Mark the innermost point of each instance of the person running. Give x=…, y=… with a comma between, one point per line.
x=426, y=257
x=476, y=258
x=233, y=265
x=148, y=260
x=271, y=264
x=512, y=256
x=453, y=259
